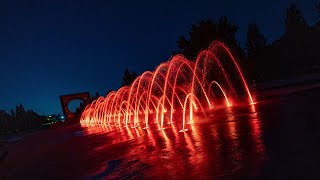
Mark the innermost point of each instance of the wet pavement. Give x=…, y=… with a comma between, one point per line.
x=279, y=137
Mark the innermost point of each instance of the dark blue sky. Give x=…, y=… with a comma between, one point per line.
x=51, y=48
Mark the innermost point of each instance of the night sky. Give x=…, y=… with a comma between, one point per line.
x=52, y=48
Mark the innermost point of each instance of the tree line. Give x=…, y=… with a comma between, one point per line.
x=19, y=120
x=294, y=53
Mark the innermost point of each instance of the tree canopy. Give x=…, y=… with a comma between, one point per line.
x=294, y=21
x=128, y=77
x=203, y=33
x=255, y=40
x=292, y=54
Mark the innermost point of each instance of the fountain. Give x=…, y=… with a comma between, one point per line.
x=173, y=92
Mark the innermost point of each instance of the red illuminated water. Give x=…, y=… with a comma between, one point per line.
x=173, y=92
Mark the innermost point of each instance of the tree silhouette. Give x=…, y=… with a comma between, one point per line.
x=109, y=91
x=200, y=35
x=295, y=53
x=128, y=77
x=294, y=21
x=95, y=96
x=255, y=40
x=299, y=44
x=255, y=48
x=18, y=120
x=203, y=33
x=317, y=7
